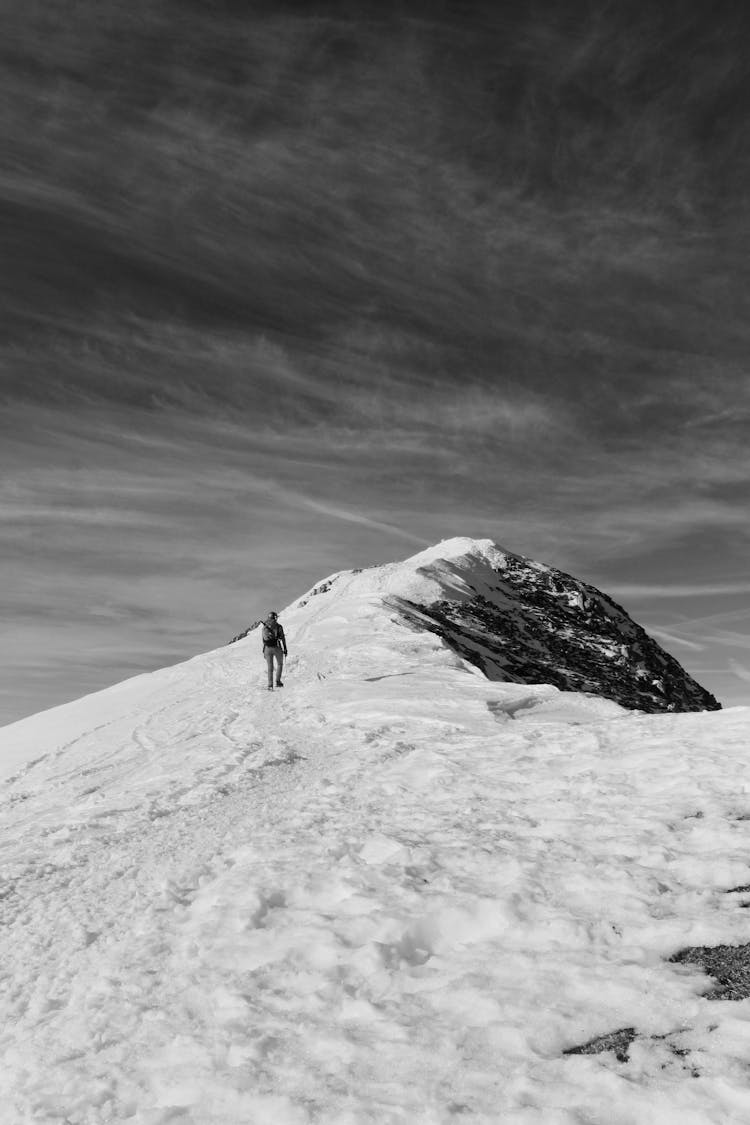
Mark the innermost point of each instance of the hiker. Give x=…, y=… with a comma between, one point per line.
x=274, y=647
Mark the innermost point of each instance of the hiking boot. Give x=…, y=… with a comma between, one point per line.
x=279, y=683
x=270, y=687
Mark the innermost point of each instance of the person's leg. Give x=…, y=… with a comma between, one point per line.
x=279, y=664
x=269, y=665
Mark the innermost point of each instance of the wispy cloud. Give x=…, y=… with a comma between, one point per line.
x=740, y=671
x=33, y=515
x=298, y=499
x=679, y=590
x=673, y=638
x=365, y=521
x=727, y=638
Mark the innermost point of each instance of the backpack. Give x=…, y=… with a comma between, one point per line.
x=270, y=635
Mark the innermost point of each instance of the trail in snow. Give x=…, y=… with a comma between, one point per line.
x=393, y=892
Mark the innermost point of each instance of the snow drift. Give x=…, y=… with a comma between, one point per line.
x=395, y=891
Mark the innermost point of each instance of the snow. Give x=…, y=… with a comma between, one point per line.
x=436, y=572
x=392, y=892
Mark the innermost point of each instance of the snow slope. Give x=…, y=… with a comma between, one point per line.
x=393, y=892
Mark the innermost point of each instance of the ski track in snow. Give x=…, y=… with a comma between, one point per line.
x=392, y=892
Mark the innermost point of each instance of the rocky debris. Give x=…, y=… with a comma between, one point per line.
x=729, y=965
x=323, y=588
x=618, y=1041
x=241, y=636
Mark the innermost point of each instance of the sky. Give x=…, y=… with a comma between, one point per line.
x=291, y=288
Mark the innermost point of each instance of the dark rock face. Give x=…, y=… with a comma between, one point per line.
x=540, y=625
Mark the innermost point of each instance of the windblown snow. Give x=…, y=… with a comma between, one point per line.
x=392, y=892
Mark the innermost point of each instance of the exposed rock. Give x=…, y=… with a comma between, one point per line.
x=540, y=625
x=322, y=588
x=729, y=965
x=241, y=636
x=618, y=1041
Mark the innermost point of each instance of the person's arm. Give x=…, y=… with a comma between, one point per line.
x=283, y=639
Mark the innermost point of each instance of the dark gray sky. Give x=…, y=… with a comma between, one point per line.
x=292, y=288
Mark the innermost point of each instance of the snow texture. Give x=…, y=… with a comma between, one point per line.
x=394, y=892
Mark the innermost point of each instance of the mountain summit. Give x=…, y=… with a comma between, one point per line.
x=515, y=619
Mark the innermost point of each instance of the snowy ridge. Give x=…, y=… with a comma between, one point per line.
x=523, y=621
x=394, y=891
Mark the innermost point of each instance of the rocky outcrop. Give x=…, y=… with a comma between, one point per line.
x=540, y=625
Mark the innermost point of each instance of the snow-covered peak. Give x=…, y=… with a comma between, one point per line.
x=513, y=618
x=458, y=547
x=456, y=566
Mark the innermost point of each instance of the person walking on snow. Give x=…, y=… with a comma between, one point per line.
x=274, y=647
